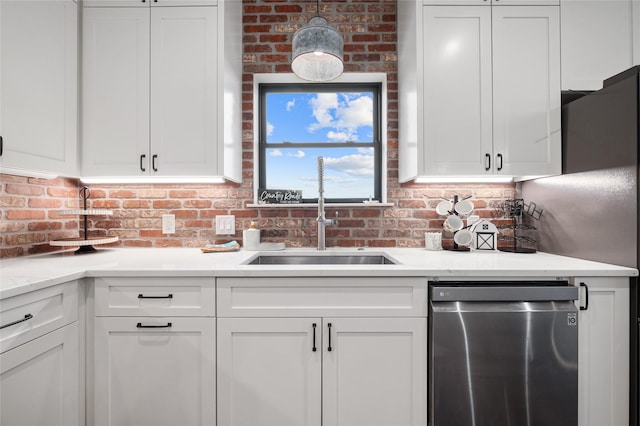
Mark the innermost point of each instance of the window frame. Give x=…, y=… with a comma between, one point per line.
x=354, y=82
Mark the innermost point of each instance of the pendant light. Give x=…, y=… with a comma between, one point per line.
x=317, y=50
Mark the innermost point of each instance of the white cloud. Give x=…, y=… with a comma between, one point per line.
x=275, y=153
x=299, y=154
x=358, y=112
x=344, y=116
x=270, y=128
x=354, y=165
x=291, y=104
x=321, y=105
x=339, y=136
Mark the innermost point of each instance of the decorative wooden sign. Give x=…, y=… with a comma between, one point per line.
x=279, y=196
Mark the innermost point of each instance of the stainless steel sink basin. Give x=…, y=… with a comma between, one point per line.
x=319, y=259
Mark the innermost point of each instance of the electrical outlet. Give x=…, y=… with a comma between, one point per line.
x=225, y=224
x=168, y=224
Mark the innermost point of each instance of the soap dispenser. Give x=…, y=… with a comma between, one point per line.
x=251, y=237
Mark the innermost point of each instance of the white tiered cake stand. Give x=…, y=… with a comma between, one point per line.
x=85, y=243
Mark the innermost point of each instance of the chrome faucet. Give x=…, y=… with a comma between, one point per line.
x=322, y=220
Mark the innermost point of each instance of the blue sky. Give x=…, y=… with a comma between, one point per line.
x=321, y=117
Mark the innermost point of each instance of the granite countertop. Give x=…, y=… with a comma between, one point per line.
x=30, y=273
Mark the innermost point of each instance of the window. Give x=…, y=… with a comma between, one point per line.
x=339, y=121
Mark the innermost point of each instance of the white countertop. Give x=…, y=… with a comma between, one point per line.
x=29, y=273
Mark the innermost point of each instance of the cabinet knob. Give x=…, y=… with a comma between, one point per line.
x=499, y=161
x=487, y=162
x=142, y=157
x=153, y=162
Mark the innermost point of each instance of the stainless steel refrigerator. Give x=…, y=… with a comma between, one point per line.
x=591, y=210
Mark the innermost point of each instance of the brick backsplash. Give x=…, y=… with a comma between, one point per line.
x=29, y=218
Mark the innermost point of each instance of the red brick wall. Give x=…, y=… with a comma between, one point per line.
x=29, y=218
x=369, y=30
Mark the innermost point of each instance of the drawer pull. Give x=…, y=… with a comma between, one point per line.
x=142, y=296
x=167, y=325
x=314, y=338
x=329, y=348
x=586, y=297
x=26, y=318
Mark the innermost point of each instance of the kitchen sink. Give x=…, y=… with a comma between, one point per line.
x=319, y=259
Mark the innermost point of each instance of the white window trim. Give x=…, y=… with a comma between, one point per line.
x=359, y=77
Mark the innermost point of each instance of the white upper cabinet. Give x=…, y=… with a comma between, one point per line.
x=161, y=90
x=457, y=87
x=38, y=87
x=600, y=38
x=115, y=91
x=479, y=90
x=526, y=91
x=183, y=90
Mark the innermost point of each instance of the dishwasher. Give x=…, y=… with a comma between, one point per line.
x=503, y=353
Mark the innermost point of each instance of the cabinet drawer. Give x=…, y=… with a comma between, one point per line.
x=30, y=315
x=310, y=297
x=155, y=296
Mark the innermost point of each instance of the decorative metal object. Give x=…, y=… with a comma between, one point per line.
x=317, y=50
x=514, y=209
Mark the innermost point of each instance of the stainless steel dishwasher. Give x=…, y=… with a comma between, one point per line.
x=503, y=354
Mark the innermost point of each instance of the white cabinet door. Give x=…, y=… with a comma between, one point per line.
x=38, y=86
x=115, y=92
x=268, y=372
x=150, y=92
x=598, y=41
x=457, y=89
x=40, y=381
x=604, y=353
x=526, y=90
x=375, y=372
x=155, y=371
x=183, y=91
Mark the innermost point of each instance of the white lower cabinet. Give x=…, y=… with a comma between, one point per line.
x=322, y=371
x=154, y=371
x=603, y=355
x=40, y=381
x=374, y=371
x=314, y=351
x=268, y=372
x=153, y=352
x=40, y=359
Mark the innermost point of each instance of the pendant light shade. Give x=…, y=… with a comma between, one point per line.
x=317, y=51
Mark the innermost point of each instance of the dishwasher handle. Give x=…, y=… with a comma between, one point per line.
x=502, y=293
x=586, y=297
